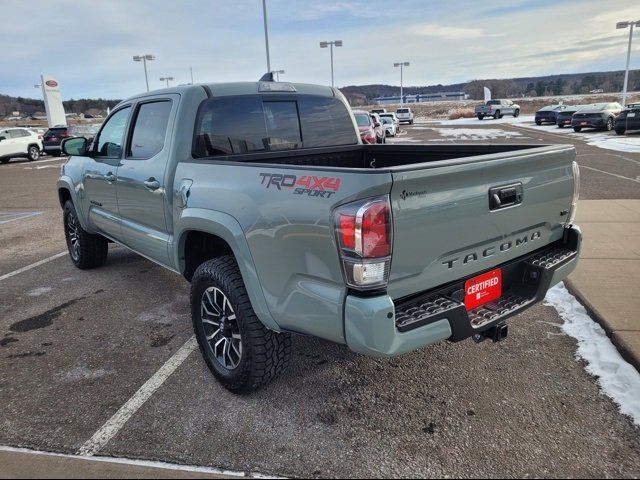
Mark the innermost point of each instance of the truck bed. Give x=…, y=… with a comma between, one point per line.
x=379, y=157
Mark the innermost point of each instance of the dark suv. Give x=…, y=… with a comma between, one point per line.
x=629, y=119
x=54, y=136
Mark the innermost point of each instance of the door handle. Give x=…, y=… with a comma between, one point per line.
x=152, y=184
x=110, y=177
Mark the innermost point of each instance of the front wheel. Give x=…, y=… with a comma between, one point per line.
x=86, y=250
x=33, y=153
x=516, y=113
x=497, y=115
x=4, y=160
x=239, y=350
x=538, y=122
x=609, y=126
x=577, y=129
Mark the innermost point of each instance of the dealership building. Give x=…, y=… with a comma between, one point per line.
x=422, y=98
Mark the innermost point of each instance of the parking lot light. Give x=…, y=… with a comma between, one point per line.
x=336, y=43
x=630, y=25
x=143, y=59
x=166, y=79
x=401, y=65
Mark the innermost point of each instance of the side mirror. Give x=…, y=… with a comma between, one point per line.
x=76, y=146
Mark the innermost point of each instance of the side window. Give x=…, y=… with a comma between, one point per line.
x=15, y=133
x=150, y=129
x=325, y=121
x=228, y=125
x=111, y=136
x=283, y=126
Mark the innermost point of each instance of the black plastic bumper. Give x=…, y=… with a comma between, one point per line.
x=525, y=282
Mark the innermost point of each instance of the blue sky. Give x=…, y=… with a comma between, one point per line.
x=88, y=44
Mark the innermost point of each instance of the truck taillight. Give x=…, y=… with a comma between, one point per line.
x=576, y=194
x=364, y=234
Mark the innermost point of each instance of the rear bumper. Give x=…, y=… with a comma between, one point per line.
x=377, y=326
x=588, y=122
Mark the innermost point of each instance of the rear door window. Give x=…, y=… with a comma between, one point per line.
x=325, y=122
x=283, y=125
x=150, y=129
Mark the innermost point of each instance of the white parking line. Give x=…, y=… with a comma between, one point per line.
x=16, y=216
x=609, y=173
x=33, y=265
x=111, y=428
x=161, y=467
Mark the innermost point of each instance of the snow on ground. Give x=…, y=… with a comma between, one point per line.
x=617, y=378
x=487, y=122
x=474, y=133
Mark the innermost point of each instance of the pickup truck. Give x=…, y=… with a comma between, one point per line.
x=262, y=195
x=497, y=109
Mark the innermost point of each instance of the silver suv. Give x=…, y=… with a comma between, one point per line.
x=405, y=114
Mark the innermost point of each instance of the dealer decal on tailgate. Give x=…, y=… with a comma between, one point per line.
x=310, y=185
x=482, y=289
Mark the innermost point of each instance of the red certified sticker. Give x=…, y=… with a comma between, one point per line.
x=482, y=289
x=51, y=83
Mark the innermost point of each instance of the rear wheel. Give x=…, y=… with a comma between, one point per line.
x=516, y=113
x=561, y=125
x=538, y=122
x=497, y=115
x=86, y=250
x=609, y=125
x=4, y=160
x=238, y=349
x=480, y=116
x=620, y=131
x=33, y=153
x=577, y=129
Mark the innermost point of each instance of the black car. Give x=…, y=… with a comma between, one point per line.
x=629, y=119
x=549, y=114
x=563, y=118
x=598, y=115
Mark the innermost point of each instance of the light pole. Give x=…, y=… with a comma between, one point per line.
x=266, y=33
x=626, y=73
x=166, y=79
x=191, y=70
x=278, y=73
x=143, y=59
x=401, y=65
x=337, y=43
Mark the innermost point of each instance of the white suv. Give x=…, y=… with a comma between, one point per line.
x=405, y=115
x=19, y=142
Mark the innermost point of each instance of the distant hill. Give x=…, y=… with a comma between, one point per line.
x=564, y=84
x=32, y=106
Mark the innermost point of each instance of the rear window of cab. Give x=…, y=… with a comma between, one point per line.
x=255, y=123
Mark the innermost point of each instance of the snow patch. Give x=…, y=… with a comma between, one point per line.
x=475, y=133
x=36, y=292
x=83, y=373
x=618, y=379
x=618, y=143
x=489, y=121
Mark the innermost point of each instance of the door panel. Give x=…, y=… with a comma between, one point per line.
x=141, y=185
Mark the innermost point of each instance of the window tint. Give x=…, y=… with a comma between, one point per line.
x=150, y=129
x=282, y=123
x=110, y=139
x=325, y=121
x=229, y=125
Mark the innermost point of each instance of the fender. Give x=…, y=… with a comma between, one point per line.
x=76, y=194
x=226, y=227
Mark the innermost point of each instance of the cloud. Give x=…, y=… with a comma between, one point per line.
x=449, y=33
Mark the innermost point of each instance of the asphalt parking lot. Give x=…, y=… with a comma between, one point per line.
x=75, y=346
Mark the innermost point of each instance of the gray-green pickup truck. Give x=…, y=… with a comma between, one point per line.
x=262, y=196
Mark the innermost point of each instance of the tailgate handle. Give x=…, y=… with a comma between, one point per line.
x=505, y=196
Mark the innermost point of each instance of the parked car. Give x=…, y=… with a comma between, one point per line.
x=549, y=114
x=629, y=119
x=275, y=238
x=390, y=127
x=379, y=110
x=366, y=128
x=563, y=118
x=53, y=137
x=393, y=117
x=19, y=142
x=405, y=115
x=598, y=115
x=497, y=109
x=381, y=133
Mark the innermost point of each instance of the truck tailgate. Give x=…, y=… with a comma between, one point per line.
x=446, y=226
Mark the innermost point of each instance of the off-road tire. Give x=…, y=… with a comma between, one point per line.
x=265, y=353
x=92, y=249
x=33, y=153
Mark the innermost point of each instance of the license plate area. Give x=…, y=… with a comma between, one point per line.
x=583, y=123
x=483, y=289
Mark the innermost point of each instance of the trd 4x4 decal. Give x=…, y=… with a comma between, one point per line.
x=310, y=185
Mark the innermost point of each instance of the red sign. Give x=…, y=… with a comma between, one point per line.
x=483, y=289
x=51, y=83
